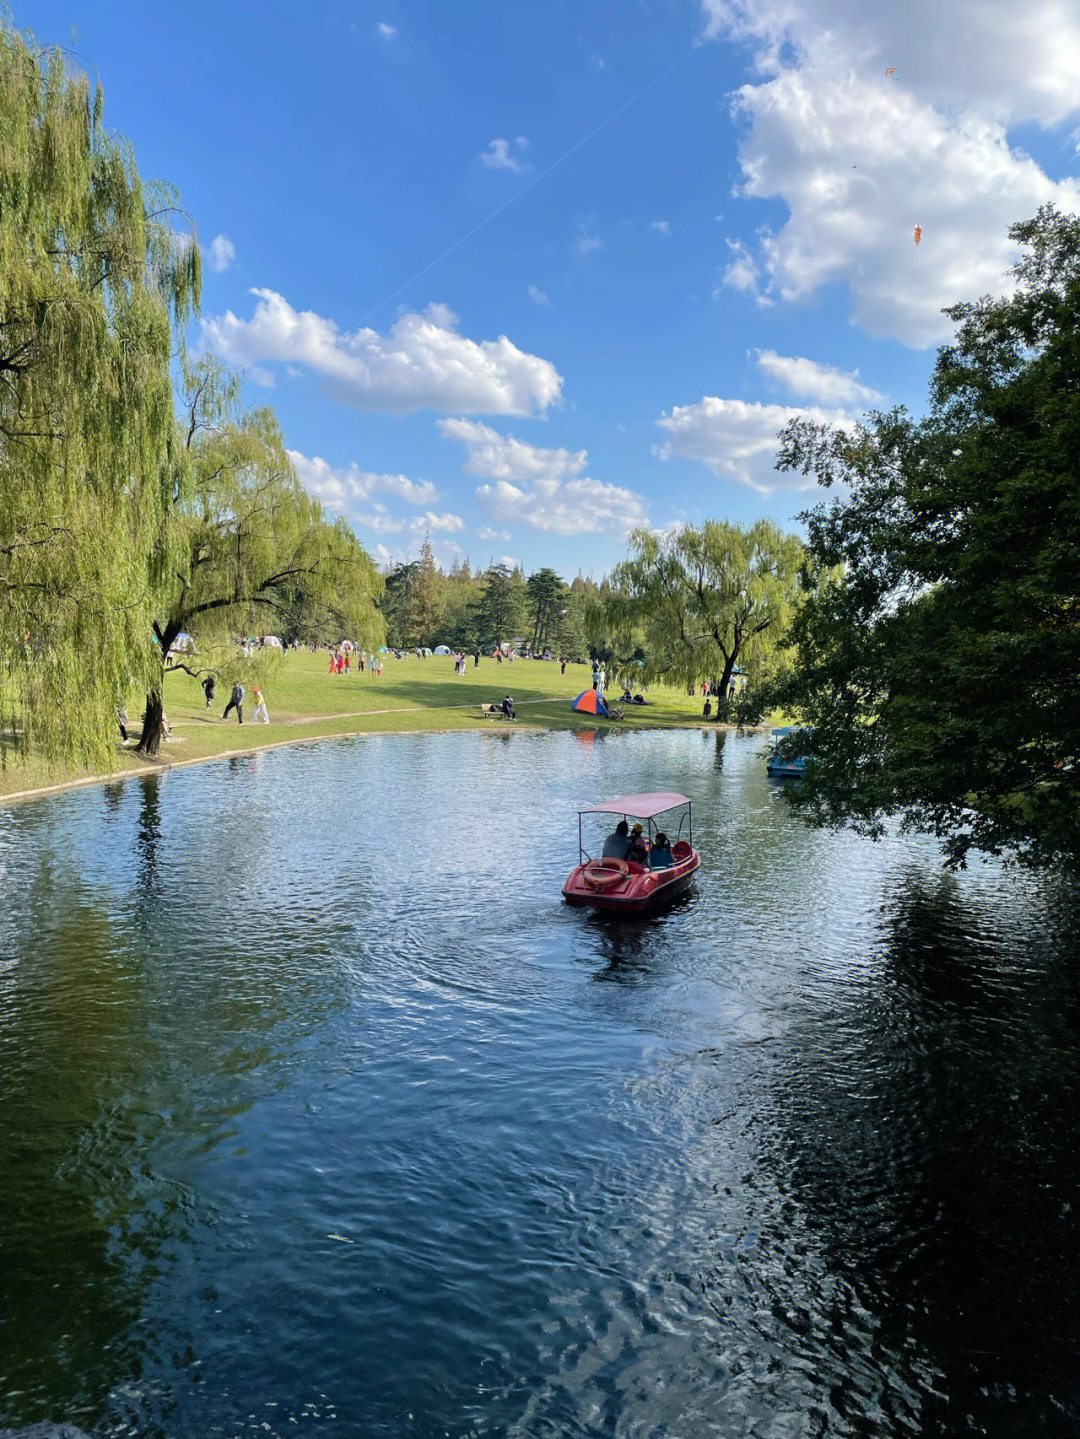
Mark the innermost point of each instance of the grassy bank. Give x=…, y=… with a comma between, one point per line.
x=305, y=703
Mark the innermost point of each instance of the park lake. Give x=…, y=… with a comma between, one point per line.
x=320, y=1113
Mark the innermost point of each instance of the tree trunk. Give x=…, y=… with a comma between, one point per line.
x=153, y=724
x=153, y=728
x=729, y=665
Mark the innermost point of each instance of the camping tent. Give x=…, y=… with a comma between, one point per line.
x=589, y=702
x=442, y=649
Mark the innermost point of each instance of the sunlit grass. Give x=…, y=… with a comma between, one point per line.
x=306, y=702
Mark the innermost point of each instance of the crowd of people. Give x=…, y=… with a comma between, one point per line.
x=624, y=843
x=341, y=661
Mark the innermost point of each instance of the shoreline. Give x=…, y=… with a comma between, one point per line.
x=151, y=767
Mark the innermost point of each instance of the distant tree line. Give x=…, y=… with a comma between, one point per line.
x=423, y=605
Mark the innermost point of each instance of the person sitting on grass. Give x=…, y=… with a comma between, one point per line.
x=660, y=854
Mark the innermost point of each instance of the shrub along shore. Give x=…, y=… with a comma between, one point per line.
x=306, y=703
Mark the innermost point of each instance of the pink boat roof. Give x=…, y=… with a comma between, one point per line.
x=641, y=806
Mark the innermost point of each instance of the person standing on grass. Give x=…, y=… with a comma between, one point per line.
x=208, y=690
x=261, y=712
x=236, y=702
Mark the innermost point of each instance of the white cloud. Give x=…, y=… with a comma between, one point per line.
x=431, y=521
x=810, y=381
x=737, y=440
x=340, y=488
x=422, y=363
x=380, y=521
x=262, y=377
x=661, y=227
x=492, y=456
x=598, y=62
x=1007, y=62
x=859, y=158
x=587, y=242
x=497, y=156
x=742, y=272
x=388, y=32
x=487, y=533
x=537, y=295
x=222, y=253
x=544, y=488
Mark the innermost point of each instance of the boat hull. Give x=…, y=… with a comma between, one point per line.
x=778, y=768
x=620, y=887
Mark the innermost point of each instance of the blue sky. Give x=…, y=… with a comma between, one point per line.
x=523, y=276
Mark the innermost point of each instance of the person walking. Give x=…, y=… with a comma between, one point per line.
x=236, y=702
x=476, y=660
x=261, y=712
x=208, y=690
x=562, y=667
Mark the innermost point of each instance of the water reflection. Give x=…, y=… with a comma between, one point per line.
x=924, y=1140
x=320, y=1116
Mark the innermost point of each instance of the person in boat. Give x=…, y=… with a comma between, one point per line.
x=660, y=854
x=617, y=844
x=639, y=845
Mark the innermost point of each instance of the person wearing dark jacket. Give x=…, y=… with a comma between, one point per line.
x=209, y=686
x=236, y=702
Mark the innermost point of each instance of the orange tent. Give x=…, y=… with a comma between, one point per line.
x=589, y=702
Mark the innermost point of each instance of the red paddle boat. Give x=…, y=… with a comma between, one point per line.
x=635, y=885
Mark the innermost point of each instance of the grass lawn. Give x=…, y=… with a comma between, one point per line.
x=305, y=702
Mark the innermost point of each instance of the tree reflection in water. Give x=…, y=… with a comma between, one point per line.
x=928, y=1137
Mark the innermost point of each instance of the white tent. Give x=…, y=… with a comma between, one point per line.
x=272, y=641
x=442, y=649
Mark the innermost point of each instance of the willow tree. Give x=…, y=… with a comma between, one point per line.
x=93, y=277
x=699, y=601
x=247, y=546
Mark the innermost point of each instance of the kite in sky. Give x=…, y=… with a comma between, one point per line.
x=891, y=70
x=918, y=234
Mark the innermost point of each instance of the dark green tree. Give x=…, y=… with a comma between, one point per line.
x=546, y=599
x=939, y=664
x=498, y=611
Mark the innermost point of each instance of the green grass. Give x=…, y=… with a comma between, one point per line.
x=305, y=702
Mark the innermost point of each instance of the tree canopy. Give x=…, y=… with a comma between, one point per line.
x=93, y=276
x=940, y=664
x=248, y=547
x=694, y=603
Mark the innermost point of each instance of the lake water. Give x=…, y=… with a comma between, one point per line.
x=321, y=1114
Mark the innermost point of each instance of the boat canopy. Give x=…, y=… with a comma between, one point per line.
x=640, y=806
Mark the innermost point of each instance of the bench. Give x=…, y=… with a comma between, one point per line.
x=493, y=712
